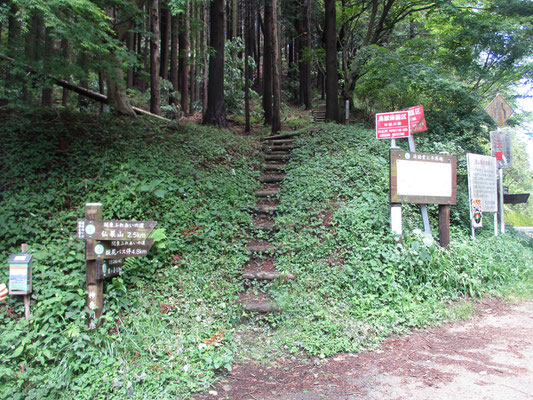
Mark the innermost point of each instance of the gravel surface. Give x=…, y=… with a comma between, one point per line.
x=487, y=357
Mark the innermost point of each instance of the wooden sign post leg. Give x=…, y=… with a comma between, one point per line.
x=26, y=297
x=444, y=225
x=95, y=286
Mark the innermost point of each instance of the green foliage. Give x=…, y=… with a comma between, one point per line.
x=355, y=283
x=234, y=80
x=171, y=321
x=197, y=182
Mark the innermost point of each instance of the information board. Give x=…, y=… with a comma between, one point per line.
x=422, y=178
x=393, y=125
x=482, y=182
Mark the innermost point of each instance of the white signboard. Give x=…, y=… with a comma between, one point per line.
x=418, y=178
x=422, y=178
x=482, y=183
x=501, y=146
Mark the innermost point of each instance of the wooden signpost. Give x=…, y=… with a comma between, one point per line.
x=424, y=178
x=107, y=243
x=403, y=124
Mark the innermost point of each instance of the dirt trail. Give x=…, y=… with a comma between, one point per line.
x=488, y=357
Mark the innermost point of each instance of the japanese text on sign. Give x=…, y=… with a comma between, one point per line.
x=393, y=125
x=482, y=182
x=418, y=120
x=115, y=230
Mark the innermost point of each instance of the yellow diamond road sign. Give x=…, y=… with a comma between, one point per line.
x=499, y=110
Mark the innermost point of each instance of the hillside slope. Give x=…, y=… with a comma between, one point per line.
x=172, y=320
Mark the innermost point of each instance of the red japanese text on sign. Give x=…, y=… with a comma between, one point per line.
x=393, y=125
x=418, y=120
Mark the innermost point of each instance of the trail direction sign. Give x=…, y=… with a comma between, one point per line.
x=393, y=125
x=499, y=110
x=116, y=249
x=115, y=230
x=111, y=268
x=501, y=146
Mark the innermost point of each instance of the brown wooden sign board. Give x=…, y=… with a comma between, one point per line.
x=110, y=268
x=115, y=230
x=422, y=178
x=117, y=249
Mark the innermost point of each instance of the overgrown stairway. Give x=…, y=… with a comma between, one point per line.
x=261, y=268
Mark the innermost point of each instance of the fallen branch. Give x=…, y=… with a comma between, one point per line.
x=101, y=98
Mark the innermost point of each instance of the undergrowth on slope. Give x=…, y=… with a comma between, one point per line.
x=171, y=321
x=196, y=182
x=355, y=283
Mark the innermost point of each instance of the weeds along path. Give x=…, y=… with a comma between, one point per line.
x=261, y=270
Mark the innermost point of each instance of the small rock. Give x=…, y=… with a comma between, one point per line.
x=213, y=393
x=226, y=388
x=141, y=377
x=117, y=383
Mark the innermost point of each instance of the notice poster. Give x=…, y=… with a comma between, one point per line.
x=393, y=125
x=418, y=120
x=500, y=144
x=482, y=182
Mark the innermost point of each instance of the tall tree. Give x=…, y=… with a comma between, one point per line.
x=332, y=87
x=183, y=68
x=248, y=43
x=267, y=62
x=165, y=34
x=215, y=113
x=174, y=58
x=304, y=48
x=276, y=71
x=155, y=94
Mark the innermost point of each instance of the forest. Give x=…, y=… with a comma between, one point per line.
x=162, y=110
x=177, y=58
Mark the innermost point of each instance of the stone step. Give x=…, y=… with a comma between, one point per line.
x=258, y=302
x=277, y=157
x=266, y=226
x=265, y=275
x=260, y=247
x=278, y=142
x=272, y=178
x=268, y=192
x=280, y=148
x=275, y=167
x=282, y=136
x=266, y=208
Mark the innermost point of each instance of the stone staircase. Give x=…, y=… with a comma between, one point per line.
x=261, y=270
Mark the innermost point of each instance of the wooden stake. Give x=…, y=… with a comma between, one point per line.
x=26, y=297
x=444, y=225
x=94, y=281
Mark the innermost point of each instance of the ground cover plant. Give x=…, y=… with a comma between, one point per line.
x=196, y=182
x=355, y=284
x=171, y=321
